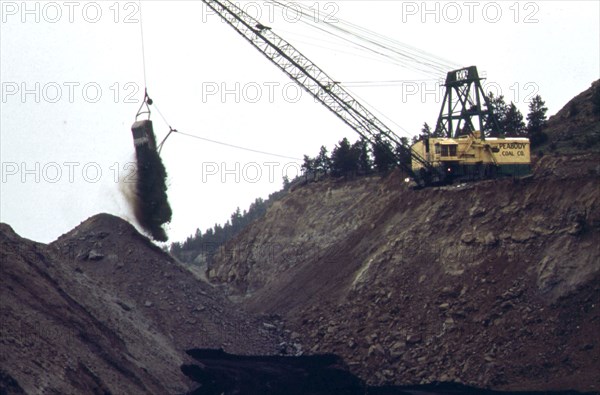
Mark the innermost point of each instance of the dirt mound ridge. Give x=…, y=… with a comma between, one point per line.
x=103, y=310
x=492, y=284
x=61, y=333
x=143, y=276
x=576, y=127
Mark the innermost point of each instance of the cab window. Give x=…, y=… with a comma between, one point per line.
x=449, y=150
x=453, y=149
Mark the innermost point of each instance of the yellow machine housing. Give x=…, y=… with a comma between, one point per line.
x=471, y=157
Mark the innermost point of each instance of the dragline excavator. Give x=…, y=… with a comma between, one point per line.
x=463, y=153
x=321, y=86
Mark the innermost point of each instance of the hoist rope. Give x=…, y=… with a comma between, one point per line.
x=147, y=101
x=171, y=130
x=394, y=51
x=238, y=147
x=143, y=46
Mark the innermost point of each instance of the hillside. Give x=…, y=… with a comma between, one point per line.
x=103, y=310
x=576, y=127
x=494, y=284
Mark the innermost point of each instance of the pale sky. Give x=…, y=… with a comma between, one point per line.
x=72, y=79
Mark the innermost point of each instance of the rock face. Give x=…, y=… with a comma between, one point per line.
x=576, y=127
x=493, y=284
x=102, y=310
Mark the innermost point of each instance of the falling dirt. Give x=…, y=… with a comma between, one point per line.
x=149, y=200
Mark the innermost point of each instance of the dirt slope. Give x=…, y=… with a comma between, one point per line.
x=102, y=310
x=137, y=272
x=576, y=127
x=492, y=284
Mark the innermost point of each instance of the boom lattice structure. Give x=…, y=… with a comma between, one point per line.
x=312, y=78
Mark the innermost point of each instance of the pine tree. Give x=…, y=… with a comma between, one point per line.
x=322, y=162
x=536, y=121
x=383, y=155
x=500, y=110
x=403, y=152
x=425, y=130
x=344, y=160
x=236, y=217
x=308, y=167
x=425, y=133
x=175, y=248
x=286, y=183
x=363, y=155
x=513, y=123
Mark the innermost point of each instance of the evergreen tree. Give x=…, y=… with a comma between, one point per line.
x=383, y=155
x=322, y=162
x=425, y=130
x=236, y=217
x=425, y=133
x=513, y=123
x=175, y=248
x=286, y=183
x=344, y=160
x=403, y=152
x=308, y=167
x=536, y=121
x=500, y=110
x=207, y=243
x=363, y=155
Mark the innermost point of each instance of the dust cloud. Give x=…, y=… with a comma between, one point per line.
x=146, y=191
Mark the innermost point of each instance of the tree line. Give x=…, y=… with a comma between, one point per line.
x=363, y=157
x=209, y=241
x=510, y=121
x=359, y=159
x=356, y=159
